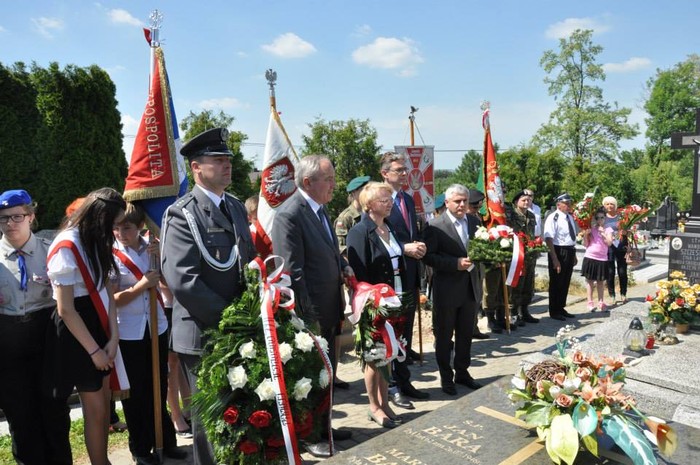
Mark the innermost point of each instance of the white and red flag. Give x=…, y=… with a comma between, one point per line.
x=277, y=183
x=419, y=182
x=156, y=170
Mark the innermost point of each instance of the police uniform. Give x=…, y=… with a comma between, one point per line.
x=522, y=294
x=351, y=215
x=39, y=424
x=203, y=255
x=560, y=230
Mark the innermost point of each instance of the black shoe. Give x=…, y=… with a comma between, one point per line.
x=412, y=354
x=149, y=459
x=567, y=314
x=449, y=389
x=341, y=384
x=400, y=401
x=321, y=450
x=341, y=434
x=529, y=318
x=177, y=453
x=470, y=382
x=521, y=321
x=410, y=391
x=496, y=330
x=557, y=317
x=480, y=335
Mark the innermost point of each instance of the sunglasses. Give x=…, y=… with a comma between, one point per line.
x=599, y=217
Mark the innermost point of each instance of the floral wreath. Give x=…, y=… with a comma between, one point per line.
x=264, y=378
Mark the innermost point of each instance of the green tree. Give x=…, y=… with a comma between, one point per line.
x=442, y=180
x=352, y=147
x=196, y=123
x=674, y=94
x=583, y=126
x=79, y=140
x=467, y=173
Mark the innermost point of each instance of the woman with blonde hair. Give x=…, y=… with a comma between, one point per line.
x=376, y=257
x=616, y=251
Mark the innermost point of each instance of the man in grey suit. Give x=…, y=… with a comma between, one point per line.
x=304, y=237
x=456, y=288
x=205, y=245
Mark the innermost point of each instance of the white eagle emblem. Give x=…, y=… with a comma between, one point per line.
x=278, y=182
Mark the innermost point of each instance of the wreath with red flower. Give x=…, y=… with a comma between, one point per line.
x=236, y=399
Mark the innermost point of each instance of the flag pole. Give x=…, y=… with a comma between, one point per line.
x=156, y=19
x=271, y=77
x=412, y=119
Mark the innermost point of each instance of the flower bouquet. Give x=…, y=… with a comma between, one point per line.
x=533, y=247
x=584, y=211
x=676, y=299
x=252, y=414
x=631, y=215
x=377, y=316
x=576, y=398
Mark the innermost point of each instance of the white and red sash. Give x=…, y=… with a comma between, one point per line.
x=100, y=299
x=517, y=262
x=136, y=271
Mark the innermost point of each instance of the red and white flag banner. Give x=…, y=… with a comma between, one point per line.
x=420, y=175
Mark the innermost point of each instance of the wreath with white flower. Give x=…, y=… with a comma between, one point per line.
x=238, y=400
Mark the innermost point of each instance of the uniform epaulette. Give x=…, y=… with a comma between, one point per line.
x=47, y=242
x=184, y=200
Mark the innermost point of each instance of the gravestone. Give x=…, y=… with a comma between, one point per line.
x=664, y=218
x=685, y=242
x=477, y=429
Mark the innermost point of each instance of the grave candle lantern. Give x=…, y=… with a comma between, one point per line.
x=635, y=338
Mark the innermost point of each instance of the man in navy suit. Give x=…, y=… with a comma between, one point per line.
x=404, y=221
x=304, y=237
x=456, y=288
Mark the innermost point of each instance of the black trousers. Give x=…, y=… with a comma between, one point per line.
x=450, y=321
x=138, y=407
x=616, y=257
x=39, y=424
x=401, y=373
x=559, y=282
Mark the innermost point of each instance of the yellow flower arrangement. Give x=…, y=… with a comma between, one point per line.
x=675, y=299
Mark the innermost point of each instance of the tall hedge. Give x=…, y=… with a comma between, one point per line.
x=61, y=135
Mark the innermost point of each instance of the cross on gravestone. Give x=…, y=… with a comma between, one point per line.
x=689, y=140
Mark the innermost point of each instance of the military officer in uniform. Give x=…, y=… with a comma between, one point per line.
x=560, y=236
x=205, y=245
x=351, y=215
x=522, y=219
x=39, y=423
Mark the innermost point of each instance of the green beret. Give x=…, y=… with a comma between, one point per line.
x=357, y=183
x=440, y=201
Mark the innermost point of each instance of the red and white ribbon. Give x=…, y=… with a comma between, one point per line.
x=271, y=288
x=517, y=262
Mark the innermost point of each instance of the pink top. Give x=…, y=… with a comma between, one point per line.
x=597, y=248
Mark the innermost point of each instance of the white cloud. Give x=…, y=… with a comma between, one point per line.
x=633, y=64
x=116, y=69
x=2, y=29
x=119, y=16
x=241, y=54
x=563, y=29
x=47, y=26
x=289, y=45
x=224, y=103
x=389, y=53
x=363, y=30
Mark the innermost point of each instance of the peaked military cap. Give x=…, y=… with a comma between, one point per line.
x=211, y=142
x=563, y=198
x=12, y=198
x=475, y=196
x=357, y=182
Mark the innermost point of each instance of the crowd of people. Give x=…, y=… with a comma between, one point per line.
x=74, y=312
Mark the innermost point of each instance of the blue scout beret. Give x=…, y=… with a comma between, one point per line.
x=12, y=198
x=211, y=142
x=357, y=183
x=440, y=201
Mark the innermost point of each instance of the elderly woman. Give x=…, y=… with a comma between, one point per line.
x=616, y=251
x=39, y=424
x=375, y=255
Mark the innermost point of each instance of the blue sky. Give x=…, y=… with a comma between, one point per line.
x=341, y=59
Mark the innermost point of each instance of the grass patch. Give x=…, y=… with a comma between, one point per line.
x=77, y=442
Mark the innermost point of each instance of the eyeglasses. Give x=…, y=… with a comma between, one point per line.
x=18, y=218
x=400, y=171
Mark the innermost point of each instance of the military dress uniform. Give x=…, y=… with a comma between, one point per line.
x=560, y=228
x=522, y=294
x=39, y=423
x=205, y=246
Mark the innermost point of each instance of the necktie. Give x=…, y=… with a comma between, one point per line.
x=322, y=218
x=572, y=233
x=22, y=265
x=403, y=210
x=462, y=230
x=224, y=210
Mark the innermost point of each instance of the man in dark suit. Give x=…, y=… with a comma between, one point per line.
x=457, y=288
x=304, y=237
x=205, y=244
x=404, y=221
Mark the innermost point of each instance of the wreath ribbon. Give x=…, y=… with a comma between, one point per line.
x=517, y=262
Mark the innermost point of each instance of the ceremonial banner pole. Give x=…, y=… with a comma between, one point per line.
x=505, y=297
x=412, y=118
